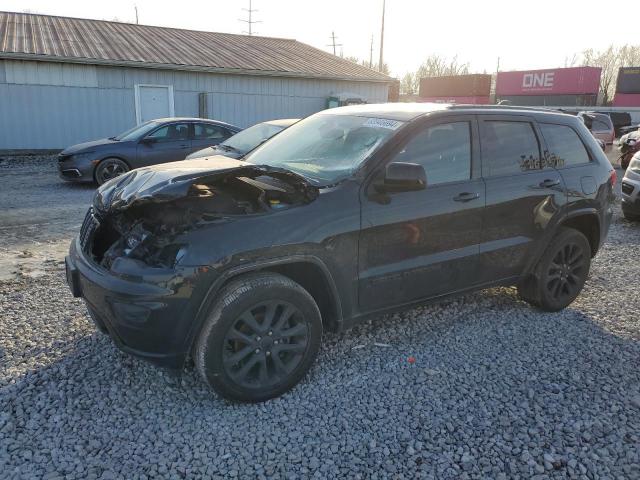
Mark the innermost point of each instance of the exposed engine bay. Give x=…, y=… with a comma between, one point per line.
x=148, y=231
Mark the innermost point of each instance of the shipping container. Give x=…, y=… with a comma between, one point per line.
x=626, y=100
x=558, y=81
x=468, y=100
x=474, y=85
x=628, y=80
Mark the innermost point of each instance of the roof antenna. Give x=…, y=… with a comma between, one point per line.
x=250, y=21
x=136, y=9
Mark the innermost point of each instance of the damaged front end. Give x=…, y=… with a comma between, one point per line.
x=142, y=219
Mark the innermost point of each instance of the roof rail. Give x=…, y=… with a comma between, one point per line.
x=507, y=107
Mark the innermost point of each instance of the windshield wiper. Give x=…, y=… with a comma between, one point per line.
x=228, y=148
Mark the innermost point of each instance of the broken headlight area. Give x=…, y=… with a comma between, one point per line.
x=150, y=233
x=139, y=241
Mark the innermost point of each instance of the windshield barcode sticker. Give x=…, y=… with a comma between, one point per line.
x=382, y=123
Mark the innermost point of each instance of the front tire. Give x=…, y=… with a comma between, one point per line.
x=110, y=168
x=561, y=272
x=260, y=338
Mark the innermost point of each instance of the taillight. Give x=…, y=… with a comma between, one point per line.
x=613, y=178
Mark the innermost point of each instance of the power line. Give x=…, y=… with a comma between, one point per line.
x=333, y=42
x=380, y=65
x=371, y=54
x=250, y=20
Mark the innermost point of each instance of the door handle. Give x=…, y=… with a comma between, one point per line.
x=466, y=197
x=548, y=183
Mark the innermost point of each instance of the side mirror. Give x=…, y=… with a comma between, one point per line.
x=404, y=177
x=148, y=140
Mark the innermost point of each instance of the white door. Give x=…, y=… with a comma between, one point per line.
x=153, y=101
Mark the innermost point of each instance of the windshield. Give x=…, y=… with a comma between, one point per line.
x=251, y=137
x=137, y=131
x=325, y=148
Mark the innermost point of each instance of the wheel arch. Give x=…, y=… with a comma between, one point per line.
x=587, y=222
x=304, y=270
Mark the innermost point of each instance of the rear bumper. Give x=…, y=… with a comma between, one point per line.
x=151, y=315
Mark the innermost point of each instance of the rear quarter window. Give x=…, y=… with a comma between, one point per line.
x=565, y=147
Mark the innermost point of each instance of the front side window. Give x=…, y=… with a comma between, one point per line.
x=443, y=150
x=171, y=132
x=565, y=146
x=209, y=131
x=509, y=148
x=136, y=132
x=325, y=147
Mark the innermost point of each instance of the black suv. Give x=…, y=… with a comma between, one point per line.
x=351, y=212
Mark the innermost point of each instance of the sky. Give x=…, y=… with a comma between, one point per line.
x=524, y=35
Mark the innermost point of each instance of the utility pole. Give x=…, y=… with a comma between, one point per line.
x=382, y=39
x=136, y=8
x=250, y=20
x=333, y=42
x=371, y=54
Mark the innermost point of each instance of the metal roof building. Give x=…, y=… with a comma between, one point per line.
x=68, y=80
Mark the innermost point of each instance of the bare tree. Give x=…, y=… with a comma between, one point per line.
x=408, y=84
x=365, y=63
x=610, y=60
x=437, y=66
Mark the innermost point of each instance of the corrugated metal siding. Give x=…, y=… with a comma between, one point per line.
x=53, y=116
x=49, y=73
x=103, y=42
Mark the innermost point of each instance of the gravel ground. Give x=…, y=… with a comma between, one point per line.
x=497, y=390
x=38, y=214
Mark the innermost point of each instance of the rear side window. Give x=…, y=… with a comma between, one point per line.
x=443, y=150
x=565, y=145
x=600, y=125
x=206, y=130
x=509, y=148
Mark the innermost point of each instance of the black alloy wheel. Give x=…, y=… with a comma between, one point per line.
x=265, y=344
x=561, y=272
x=260, y=337
x=566, y=272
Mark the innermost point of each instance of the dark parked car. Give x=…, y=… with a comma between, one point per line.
x=349, y=213
x=156, y=141
x=246, y=140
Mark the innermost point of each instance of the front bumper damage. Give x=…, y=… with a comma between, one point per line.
x=146, y=315
x=131, y=264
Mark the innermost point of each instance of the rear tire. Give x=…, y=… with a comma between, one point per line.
x=260, y=338
x=560, y=274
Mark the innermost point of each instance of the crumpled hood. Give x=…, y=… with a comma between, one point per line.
x=170, y=181
x=88, y=146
